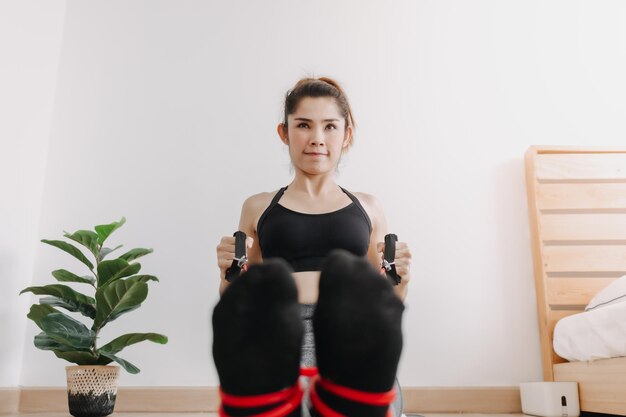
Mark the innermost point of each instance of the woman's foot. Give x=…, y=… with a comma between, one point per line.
x=257, y=333
x=358, y=336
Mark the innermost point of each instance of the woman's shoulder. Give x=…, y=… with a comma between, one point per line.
x=366, y=198
x=369, y=202
x=258, y=201
x=373, y=208
x=252, y=209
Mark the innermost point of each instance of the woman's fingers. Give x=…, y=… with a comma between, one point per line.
x=402, y=259
x=226, y=251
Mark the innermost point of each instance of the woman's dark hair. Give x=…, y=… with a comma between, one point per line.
x=318, y=87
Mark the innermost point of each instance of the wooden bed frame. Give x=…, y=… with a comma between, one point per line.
x=577, y=213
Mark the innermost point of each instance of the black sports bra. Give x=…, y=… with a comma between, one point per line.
x=304, y=240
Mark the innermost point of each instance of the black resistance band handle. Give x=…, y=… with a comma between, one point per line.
x=241, y=260
x=388, y=259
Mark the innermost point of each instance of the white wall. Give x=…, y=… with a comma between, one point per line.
x=166, y=111
x=30, y=41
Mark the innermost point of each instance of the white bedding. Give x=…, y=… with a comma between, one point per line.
x=596, y=334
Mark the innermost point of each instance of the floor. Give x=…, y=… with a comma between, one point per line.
x=215, y=415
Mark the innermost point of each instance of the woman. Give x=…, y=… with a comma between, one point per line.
x=318, y=128
x=304, y=221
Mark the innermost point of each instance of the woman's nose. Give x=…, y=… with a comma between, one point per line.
x=317, y=138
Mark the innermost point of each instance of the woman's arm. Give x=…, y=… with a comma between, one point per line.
x=250, y=212
x=377, y=245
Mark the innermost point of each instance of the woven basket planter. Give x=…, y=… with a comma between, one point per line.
x=91, y=390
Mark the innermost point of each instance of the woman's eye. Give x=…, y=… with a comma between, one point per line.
x=331, y=126
x=303, y=125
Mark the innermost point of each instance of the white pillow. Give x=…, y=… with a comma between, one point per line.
x=613, y=293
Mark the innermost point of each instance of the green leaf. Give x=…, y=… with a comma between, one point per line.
x=38, y=311
x=67, y=331
x=144, y=278
x=118, y=298
x=86, y=310
x=87, y=238
x=105, y=230
x=133, y=254
x=45, y=342
x=126, y=340
x=61, y=291
x=132, y=369
x=105, y=251
x=71, y=249
x=110, y=271
x=67, y=276
x=82, y=358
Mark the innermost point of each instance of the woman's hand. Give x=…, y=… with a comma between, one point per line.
x=226, y=252
x=402, y=262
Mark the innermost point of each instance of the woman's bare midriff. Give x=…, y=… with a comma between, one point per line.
x=308, y=286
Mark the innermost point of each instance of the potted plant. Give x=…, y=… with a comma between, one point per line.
x=118, y=289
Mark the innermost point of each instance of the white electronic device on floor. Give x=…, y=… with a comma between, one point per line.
x=550, y=399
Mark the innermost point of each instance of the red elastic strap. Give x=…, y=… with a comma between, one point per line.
x=311, y=371
x=249, y=401
x=292, y=396
x=321, y=406
x=369, y=398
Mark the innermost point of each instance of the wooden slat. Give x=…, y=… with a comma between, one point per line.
x=581, y=166
x=556, y=315
x=601, y=383
x=606, y=196
x=584, y=258
x=574, y=291
x=553, y=317
x=538, y=265
x=583, y=227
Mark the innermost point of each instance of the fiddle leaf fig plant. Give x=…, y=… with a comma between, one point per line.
x=117, y=289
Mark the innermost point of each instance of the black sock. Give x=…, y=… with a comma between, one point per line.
x=257, y=333
x=358, y=332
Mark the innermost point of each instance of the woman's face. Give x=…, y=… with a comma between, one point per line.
x=316, y=135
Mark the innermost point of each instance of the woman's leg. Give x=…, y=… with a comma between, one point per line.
x=257, y=333
x=398, y=403
x=358, y=333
